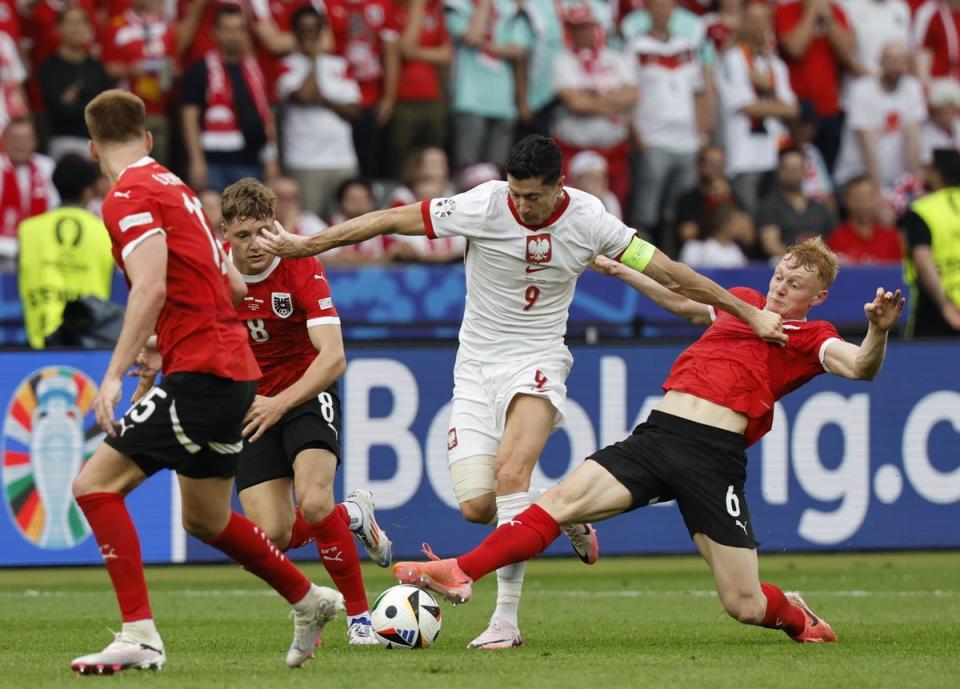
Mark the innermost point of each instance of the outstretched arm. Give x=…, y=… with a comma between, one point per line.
x=683, y=280
x=406, y=220
x=676, y=304
x=863, y=363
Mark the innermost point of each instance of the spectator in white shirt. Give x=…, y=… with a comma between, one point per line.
x=755, y=101
x=885, y=113
x=597, y=90
x=942, y=130
x=667, y=129
x=322, y=99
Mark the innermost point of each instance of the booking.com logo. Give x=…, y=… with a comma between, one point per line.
x=47, y=436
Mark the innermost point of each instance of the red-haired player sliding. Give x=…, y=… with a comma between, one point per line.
x=719, y=399
x=293, y=426
x=192, y=422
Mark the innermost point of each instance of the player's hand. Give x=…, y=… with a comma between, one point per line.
x=605, y=265
x=105, y=404
x=769, y=326
x=886, y=308
x=951, y=314
x=263, y=413
x=279, y=242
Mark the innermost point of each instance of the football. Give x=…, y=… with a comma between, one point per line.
x=406, y=617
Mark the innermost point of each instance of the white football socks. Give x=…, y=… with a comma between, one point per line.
x=510, y=578
x=355, y=514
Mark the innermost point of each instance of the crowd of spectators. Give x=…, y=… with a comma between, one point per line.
x=722, y=130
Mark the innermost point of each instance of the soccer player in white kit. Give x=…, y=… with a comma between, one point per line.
x=528, y=240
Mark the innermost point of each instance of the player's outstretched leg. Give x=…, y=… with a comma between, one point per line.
x=100, y=490
x=525, y=536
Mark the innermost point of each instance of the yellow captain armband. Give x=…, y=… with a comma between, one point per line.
x=637, y=254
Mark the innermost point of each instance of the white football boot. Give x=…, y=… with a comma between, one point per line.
x=583, y=539
x=500, y=634
x=373, y=538
x=308, y=625
x=123, y=653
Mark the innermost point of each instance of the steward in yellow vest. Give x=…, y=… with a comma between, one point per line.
x=64, y=253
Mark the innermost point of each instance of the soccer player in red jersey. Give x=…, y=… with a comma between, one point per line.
x=719, y=399
x=192, y=421
x=293, y=426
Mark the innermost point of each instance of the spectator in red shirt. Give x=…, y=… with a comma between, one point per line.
x=862, y=239
x=195, y=27
x=420, y=113
x=139, y=51
x=363, y=35
x=816, y=42
x=936, y=35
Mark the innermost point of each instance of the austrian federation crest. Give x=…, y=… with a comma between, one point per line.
x=48, y=433
x=282, y=304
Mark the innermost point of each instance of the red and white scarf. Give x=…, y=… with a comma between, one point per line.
x=15, y=205
x=221, y=126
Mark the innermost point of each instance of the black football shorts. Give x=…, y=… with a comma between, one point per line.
x=701, y=467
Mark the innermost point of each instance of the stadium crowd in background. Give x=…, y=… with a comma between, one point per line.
x=722, y=131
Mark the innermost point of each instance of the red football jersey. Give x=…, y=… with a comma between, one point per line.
x=730, y=366
x=282, y=302
x=198, y=330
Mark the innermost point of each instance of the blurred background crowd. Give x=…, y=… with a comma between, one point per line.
x=723, y=130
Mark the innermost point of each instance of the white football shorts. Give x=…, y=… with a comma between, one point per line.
x=482, y=393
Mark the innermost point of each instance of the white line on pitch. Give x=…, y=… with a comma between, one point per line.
x=620, y=593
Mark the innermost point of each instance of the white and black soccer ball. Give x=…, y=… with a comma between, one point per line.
x=406, y=617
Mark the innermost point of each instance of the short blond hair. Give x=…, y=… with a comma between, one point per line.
x=115, y=117
x=815, y=255
x=248, y=198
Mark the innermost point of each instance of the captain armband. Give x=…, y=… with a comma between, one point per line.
x=637, y=254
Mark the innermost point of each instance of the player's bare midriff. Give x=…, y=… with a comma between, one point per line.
x=694, y=408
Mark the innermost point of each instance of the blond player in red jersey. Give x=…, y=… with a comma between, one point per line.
x=192, y=421
x=718, y=400
x=293, y=426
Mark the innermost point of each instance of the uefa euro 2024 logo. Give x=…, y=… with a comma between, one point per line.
x=47, y=437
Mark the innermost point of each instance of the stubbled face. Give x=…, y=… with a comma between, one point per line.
x=793, y=290
x=244, y=237
x=894, y=61
x=533, y=199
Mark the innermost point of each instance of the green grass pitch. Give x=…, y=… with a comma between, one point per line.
x=626, y=622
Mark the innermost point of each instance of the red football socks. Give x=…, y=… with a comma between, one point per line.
x=781, y=613
x=339, y=555
x=245, y=543
x=301, y=534
x=518, y=540
x=120, y=548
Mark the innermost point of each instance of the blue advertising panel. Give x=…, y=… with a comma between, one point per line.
x=846, y=466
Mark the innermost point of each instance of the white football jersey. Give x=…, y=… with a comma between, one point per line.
x=520, y=278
